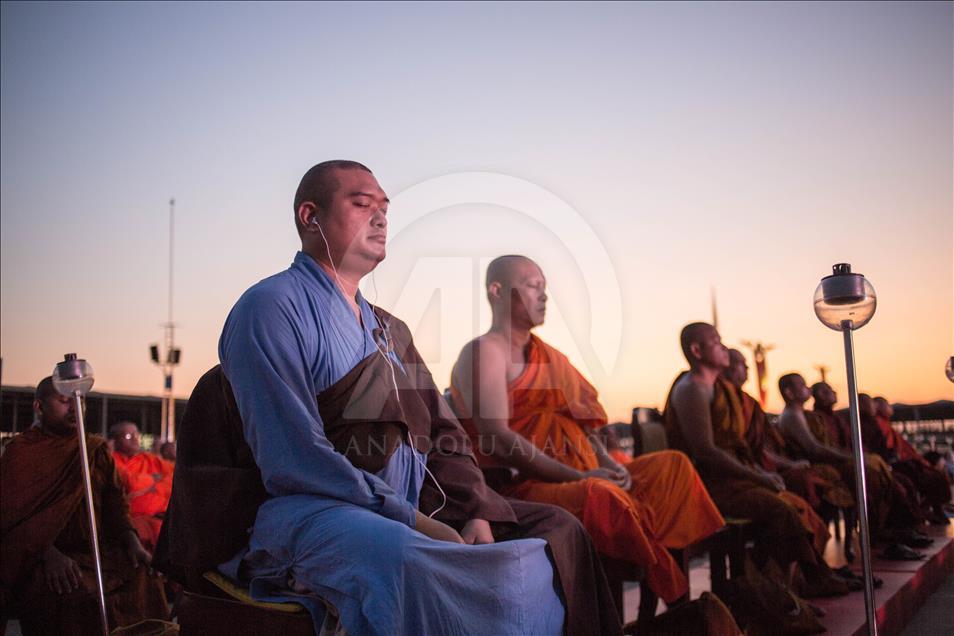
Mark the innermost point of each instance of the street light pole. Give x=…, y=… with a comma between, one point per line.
x=73, y=378
x=844, y=302
x=171, y=327
x=167, y=363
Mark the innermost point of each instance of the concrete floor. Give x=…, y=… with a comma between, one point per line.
x=936, y=616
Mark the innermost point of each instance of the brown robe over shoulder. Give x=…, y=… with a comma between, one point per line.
x=788, y=529
x=816, y=484
x=43, y=504
x=218, y=487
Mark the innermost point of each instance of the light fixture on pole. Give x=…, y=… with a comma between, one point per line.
x=166, y=364
x=73, y=378
x=844, y=302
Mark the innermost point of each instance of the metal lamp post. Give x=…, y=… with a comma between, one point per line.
x=167, y=427
x=74, y=378
x=845, y=301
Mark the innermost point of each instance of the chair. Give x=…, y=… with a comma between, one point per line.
x=727, y=543
x=224, y=608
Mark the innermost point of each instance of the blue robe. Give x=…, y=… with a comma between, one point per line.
x=343, y=533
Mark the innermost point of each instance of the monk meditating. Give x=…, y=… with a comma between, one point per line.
x=323, y=431
x=932, y=483
x=48, y=573
x=147, y=481
x=818, y=484
x=808, y=435
x=529, y=409
x=837, y=433
x=704, y=417
x=892, y=499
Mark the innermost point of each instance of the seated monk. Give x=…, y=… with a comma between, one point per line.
x=892, y=512
x=147, y=480
x=528, y=408
x=808, y=437
x=819, y=485
x=704, y=417
x=838, y=434
x=932, y=483
x=47, y=569
x=319, y=463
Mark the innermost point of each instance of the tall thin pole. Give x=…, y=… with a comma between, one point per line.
x=860, y=485
x=170, y=410
x=87, y=484
x=172, y=252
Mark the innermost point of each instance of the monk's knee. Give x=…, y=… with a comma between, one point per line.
x=680, y=459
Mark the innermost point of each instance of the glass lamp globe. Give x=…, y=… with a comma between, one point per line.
x=72, y=375
x=845, y=299
x=949, y=369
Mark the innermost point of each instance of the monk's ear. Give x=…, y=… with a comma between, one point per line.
x=696, y=350
x=493, y=290
x=38, y=405
x=307, y=215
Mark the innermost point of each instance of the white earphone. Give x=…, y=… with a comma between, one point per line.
x=387, y=340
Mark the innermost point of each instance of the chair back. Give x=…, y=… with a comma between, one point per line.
x=649, y=434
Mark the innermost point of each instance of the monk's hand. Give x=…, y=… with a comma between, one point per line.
x=477, y=532
x=435, y=529
x=137, y=554
x=623, y=479
x=774, y=481
x=602, y=473
x=61, y=573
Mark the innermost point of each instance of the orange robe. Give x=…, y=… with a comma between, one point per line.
x=895, y=442
x=784, y=517
x=147, y=481
x=931, y=482
x=667, y=506
x=621, y=457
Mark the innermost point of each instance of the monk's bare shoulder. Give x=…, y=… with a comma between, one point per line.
x=482, y=350
x=490, y=347
x=793, y=424
x=687, y=390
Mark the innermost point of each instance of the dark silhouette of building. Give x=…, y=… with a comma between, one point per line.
x=102, y=411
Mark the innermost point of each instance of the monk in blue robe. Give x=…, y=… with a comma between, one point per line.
x=369, y=498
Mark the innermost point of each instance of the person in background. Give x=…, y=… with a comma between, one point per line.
x=47, y=570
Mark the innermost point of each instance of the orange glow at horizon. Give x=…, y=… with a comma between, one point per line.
x=675, y=149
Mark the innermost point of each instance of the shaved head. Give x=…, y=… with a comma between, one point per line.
x=866, y=405
x=883, y=407
x=320, y=183
x=516, y=291
x=788, y=381
x=702, y=346
x=738, y=371
x=693, y=333
x=501, y=269
x=44, y=390
x=825, y=396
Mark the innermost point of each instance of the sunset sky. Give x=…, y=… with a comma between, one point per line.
x=645, y=155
